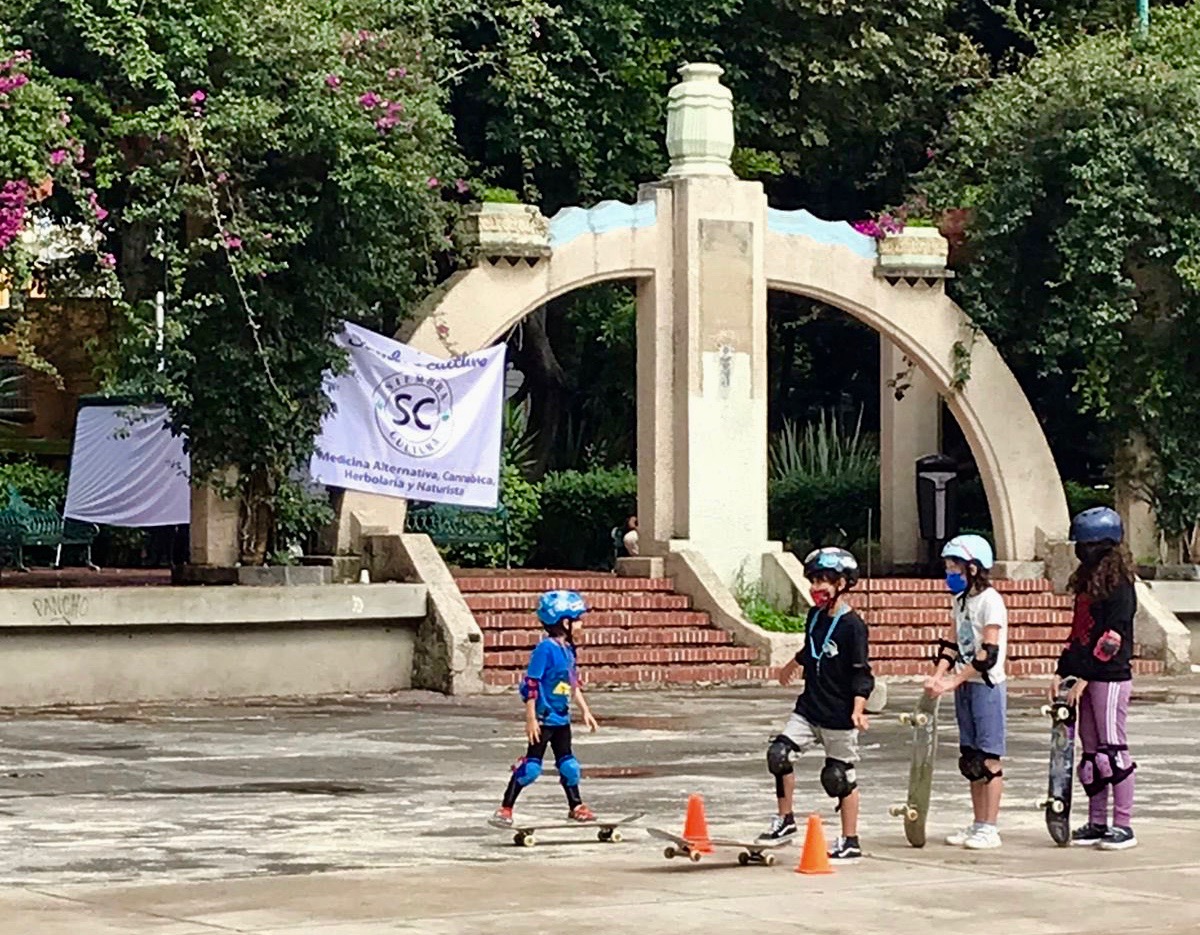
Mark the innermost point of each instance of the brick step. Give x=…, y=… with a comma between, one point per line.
x=693, y=655
x=617, y=600
x=548, y=581
x=927, y=635
x=596, y=619
x=938, y=585
x=941, y=602
x=1017, y=668
x=935, y=617
x=601, y=637
x=649, y=676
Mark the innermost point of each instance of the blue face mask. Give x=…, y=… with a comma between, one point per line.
x=957, y=583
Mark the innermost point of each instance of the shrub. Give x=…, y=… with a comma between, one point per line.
x=579, y=510
x=523, y=502
x=42, y=487
x=805, y=511
x=752, y=598
x=1081, y=497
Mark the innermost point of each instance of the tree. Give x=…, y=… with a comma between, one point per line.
x=1080, y=171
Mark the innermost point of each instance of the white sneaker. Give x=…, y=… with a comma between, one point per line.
x=959, y=838
x=983, y=838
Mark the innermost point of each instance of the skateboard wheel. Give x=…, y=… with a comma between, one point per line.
x=615, y=837
x=669, y=852
x=694, y=856
x=1047, y=710
x=896, y=811
x=905, y=718
x=1057, y=807
x=744, y=859
x=519, y=839
x=912, y=814
x=1062, y=713
x=769, y=860
x=921, y=719
x=528, y=841
x=603, y=834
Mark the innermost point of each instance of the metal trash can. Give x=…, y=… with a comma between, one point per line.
x=937, y=501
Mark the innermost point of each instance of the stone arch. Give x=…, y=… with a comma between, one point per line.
x=830, y=262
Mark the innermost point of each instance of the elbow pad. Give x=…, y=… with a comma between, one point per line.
x=529, y=689
x=992, y=652
x=947, y=651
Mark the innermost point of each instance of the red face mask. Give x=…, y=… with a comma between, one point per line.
x=821, y=598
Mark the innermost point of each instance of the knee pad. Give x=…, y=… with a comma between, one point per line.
x=527, y=770
x=1090, y=777
x=988, y=775
x=779, y=756
x=838, y=779
x=569, y=771
x=970, y=764
x=1110, y=755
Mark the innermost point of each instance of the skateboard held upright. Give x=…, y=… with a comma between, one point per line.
x=1062, y=764
x=915, y=811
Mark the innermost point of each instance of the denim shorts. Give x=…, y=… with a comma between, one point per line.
x=981, y=711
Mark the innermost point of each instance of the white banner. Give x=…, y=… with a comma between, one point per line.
x=127, y=469
x=408, y=424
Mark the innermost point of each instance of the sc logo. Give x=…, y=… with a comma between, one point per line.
x=413, y=413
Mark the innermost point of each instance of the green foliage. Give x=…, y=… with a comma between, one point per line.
x=299, y=513
x=522, y=499
x=752, y=598
x=1080, y=497
x=579, y=511
x=40, y=486
x=499, y=196
x=822, y=448
x=1080, y=169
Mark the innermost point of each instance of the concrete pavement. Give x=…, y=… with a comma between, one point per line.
x=365, y=816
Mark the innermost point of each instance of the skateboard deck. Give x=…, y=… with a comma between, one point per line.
x=752, y=852
x=1062, y=765
x=524, y=829
x=923, y=720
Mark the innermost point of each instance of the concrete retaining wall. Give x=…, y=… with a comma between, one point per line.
x=96, y=645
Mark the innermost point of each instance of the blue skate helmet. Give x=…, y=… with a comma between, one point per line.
x=970, y=549
x=1099, y=524
x=832, y=560
x=557, y=606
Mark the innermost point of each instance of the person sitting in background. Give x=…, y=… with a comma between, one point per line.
x=630, y=539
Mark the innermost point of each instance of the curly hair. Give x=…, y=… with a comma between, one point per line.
x=1098, y=581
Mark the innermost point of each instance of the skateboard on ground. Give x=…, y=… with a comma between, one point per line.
x=923, y=720
x=523, y=829
x=752, y=852
x=1062, y=764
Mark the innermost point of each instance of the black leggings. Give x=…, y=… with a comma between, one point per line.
x=559, y=740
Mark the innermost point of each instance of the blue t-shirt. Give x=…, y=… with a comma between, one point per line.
x=552, y=667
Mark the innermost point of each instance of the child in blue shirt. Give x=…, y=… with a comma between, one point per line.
x=550, y=681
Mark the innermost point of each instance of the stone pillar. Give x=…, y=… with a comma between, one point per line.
x=909, y=428
x=1133, y=462
x=214, y=531
x=358, y=514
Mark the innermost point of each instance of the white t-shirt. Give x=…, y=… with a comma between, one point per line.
x=630, y=540
x=985, y=609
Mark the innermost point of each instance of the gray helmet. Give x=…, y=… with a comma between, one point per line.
x=832, y=560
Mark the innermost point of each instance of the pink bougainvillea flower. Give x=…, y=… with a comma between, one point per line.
x=370, y=100
x=333, y=81
x=222, y=178
x=108, y=261
x=198, y=97
x=11, y=83
x=64, y=119
x=432, y=182
x=461, y=186
x=365, y=35
x=97, y=208
x=58, y=157
x=232, y=241
x=395, y=74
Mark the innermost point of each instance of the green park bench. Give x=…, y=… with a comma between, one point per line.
x=23, y=526
x=452, y=525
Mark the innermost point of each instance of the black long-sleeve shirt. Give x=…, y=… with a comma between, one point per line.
x=836, y=669
x=1092, y=620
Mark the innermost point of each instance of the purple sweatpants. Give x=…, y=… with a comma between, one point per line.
x=1102, y=712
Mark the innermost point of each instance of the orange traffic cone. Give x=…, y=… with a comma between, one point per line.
x=815, y=858
x=695, y=826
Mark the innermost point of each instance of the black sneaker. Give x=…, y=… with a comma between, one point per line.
x=1118, y=839
x=782, y=826
x=1088, y=835
x=846, y=851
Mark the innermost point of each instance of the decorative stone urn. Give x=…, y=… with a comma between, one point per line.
x=495, y=229
x=700, y=123
x=915, y=249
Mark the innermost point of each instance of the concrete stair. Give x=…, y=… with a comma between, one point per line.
x=907, y=616
x=639, y=632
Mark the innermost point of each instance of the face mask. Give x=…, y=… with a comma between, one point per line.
x=956, y=582
x=821, y=598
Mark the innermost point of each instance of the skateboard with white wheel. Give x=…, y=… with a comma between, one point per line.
x=751, y=852
x=1057, y=803
x=915, y=810
x=524, y=830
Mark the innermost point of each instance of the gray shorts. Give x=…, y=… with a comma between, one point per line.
x=839, y=744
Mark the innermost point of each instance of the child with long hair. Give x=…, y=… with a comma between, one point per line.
x=1098, y=656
